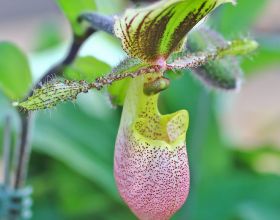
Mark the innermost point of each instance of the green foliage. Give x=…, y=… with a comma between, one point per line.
x=48, y=36
x=89, y=151
x=265, y=57
x=15, y=75
x=86, y=68
x=236, y=20
x=73, y=8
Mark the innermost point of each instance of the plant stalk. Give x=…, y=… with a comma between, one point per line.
x=23, y=150
x=7, y=151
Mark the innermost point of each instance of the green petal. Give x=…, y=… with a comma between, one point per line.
x=53, y=93
x=154, y=32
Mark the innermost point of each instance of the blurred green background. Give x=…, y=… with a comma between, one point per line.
x=233, y=140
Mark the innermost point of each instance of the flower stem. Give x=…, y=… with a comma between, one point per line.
x=23, y=150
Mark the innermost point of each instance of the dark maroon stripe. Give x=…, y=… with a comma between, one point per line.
x=128, y=26
x=153, y=34
x=188, y=23
x=125, y=38
x=141, y=24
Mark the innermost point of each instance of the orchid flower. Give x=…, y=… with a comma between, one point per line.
x=151, y=164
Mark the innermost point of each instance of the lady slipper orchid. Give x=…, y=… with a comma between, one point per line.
x=151, y=165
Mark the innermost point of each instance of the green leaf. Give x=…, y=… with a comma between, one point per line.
x=82, y=142
x=153, y=33
x=73, y=8
x=15, y=75
x=86, y=68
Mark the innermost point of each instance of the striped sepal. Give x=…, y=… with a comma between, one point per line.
x=153, y=33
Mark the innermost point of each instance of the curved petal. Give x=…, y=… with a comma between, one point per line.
x=154, y=32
